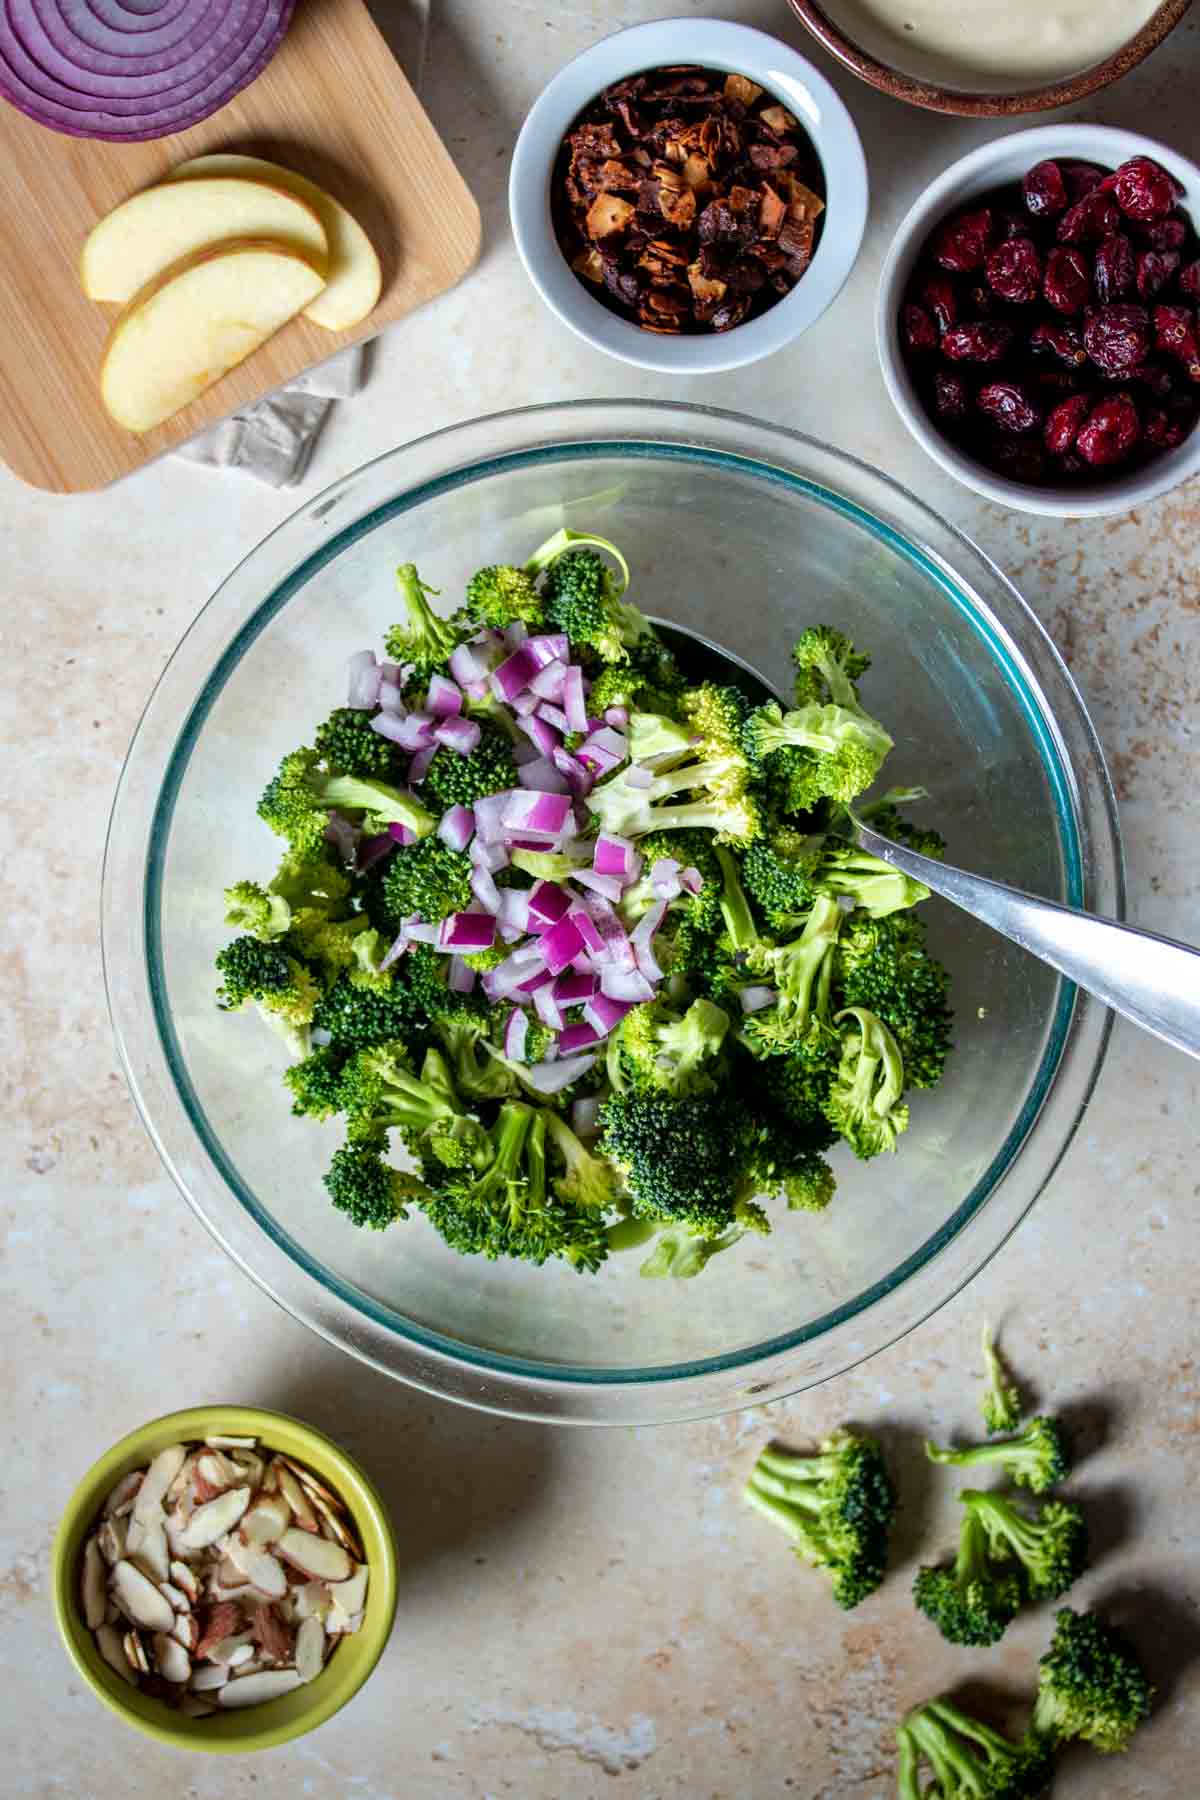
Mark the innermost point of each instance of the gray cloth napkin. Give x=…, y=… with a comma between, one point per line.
x=274, y=439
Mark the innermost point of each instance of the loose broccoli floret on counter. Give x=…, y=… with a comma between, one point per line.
x=363, y=1185
x=836, y=1506
x=1001, y=1402
x=1037, y=1459
x=969, y=1760
x=864, y=1102
x=265, y=976
x=976, y=1599
x=296, y=803
x=347, y=743
x=455, y=780
x=1090, y=1685
x=251, y=908
x=421, y=640
x=1050, y=1550
x=801, y=972
x=883, y=964
x=427, y=878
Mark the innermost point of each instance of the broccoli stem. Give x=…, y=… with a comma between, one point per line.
x=735, y=908
x=565, y=540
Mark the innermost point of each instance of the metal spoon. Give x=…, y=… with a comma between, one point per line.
x=1152, y=981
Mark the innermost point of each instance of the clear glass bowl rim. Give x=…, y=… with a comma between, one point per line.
x=283, y=561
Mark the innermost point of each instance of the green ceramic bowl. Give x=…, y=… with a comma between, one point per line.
x=276, y=1721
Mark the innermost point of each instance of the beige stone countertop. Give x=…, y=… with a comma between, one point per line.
x=586, y=1613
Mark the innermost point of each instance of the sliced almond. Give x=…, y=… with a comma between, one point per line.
x=342, y=1624
x=213, y=1474
x=176, y=1525
x=172, y=1660
x=146, y=1544
x=251, y=1690
x=243, y=1654
x=230, y=1575
x=185, y=1578
x=111, y=1538
x=311, y=1601
x=108, y=1642
x=223, y=1621
x=94, y=1585
x=208, y=1676
x=193, y=1707
x=272, y=1636
x=229, y=1647
x=135, y=1652
x=350, y=1594
x=250, y=1466
x=310, y=1649
x=335, y=1527
x=261, y=1569
x=176, y=1596
x=311, y=1482
x=186, y=1630
x=139, y=1599
x=316, y=1557
x=122, y=1496
x=215, y=1518
x=302, y=1507
x=179, y=1485
x=266, y=1520
x=157, y=1480
x=231, y=1443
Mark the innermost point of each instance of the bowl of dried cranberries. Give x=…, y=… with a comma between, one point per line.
x=1038, y=325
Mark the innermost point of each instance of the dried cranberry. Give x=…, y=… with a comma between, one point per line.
x=1065, y=423
x=1088, y=220
x=1163, y=430
x=1113, y=268
x=1111, y=432
x=1045, y=190
x=1009, y=406
x=1014, y=271
x=1063, y=341
x=1081, y=179
x=1016, y=457
x=1154, y=269
x=1142, y=189
x=936, y=293
x=1155, y=379
x=1068, y=282
x=919, y=330
x=983, y=340
x=1117, y=338
x=962, y=242
x=951, y=396
x=1175, y=335
x=1189, y=280
x=1052, y=385
x=1162, y=234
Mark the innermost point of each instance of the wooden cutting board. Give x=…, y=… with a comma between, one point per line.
x=334, y=105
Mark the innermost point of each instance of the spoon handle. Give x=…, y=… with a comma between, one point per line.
x=1151, y=980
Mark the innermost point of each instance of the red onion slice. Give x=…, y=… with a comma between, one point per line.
x=756, y=999
x=614, y=855
x=550, y=646
x=589, y=931
x=553, y=715
x=575, y=1037
x=461, y=976
x=516, y=1032
x=691, y=879
x=457, y=827
x=542, y=776
x=412, y=732
x=610, y=887
x=467, y=931
x=548, y=902
x=574, y=989
x=603, y=1013
x=468, y=666
x=458, y=734
x=625, y=984
x=418, y=768
x=552, y=1077
x=514, y=910
x=401, y=834
x=604, y=749
x=483, y=886
x=617, y=715
x=547, y=684
x=444, y=698
x=370, y=850
x=573, y=703
x=561, y=944
x=547, y=741
x=546, y=1006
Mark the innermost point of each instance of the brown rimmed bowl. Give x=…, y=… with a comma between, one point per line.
x=938, y=96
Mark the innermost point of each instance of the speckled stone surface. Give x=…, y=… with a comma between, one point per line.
x=585, y=1614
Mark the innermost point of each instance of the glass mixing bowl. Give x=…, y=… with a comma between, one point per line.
x=743, y=532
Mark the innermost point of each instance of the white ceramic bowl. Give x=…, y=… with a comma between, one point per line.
x=712, y=44
x=988, y=167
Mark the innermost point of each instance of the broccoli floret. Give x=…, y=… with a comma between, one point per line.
x=553, y=865
x=399, y=1004
x=650, y=681
x=249, y=907
x=379, y=1090
x=332, y=946
x=265, y=976
x=314, y=881
x=316, y=1083
x=837, y=1507
x=867, y=880
x=1001, y=1402
x=883, y=964
x=366, y=1188
x=885, y=818
x=1090, y=1685
x=298, y=799
x=779, y=1162
x=681, y=1255
x=969, y=1760
x=976, y=1599
x=658, y=1050
x=654, y=734
x=585, y=1181
x=502, y=595
x=454, y=780
x=679, y=1159
x=1051, y=1549
x=864, y=1102
x=1037, y=1459
x=421, y=640
x=801, y=973
x=797, y=1088
x=349, y=746
x=477, y=1075
x=582, y=596
x=827, y=667
x=778, y=870
x=717, y=716
x=722, y=805
x=427, y=878
x=814, y=753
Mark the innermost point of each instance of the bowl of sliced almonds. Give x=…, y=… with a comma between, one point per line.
x=225, y=1578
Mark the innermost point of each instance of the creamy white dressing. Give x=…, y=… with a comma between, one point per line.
x=1005, y=43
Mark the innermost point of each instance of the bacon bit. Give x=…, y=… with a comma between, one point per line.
x=220, y=1622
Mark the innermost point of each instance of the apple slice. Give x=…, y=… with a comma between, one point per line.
x=198, y=320
x=354, y=274
x=146, y=234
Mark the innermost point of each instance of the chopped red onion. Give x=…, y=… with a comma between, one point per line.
x=588, y=929
x=664, y=878
x=755, y=999
x=604, y=749
x=610, y=887
x=467, y=931
x=489, y=856
x=573, y=702
x=343, y=834
x=573, y=989
x=444, y=697
x=642, y=937
x=618, y=716
x=515, y=673
x=542, y=776
x=418, y=768
x=603, y=1013
x=476, y=690
x=585, y=1115
x=550, y=646
x=552, y=1077
x=625, y=984
x=460, y=978
x=467, y=666
x=547, y=740
x=547, y=903
x=547, y=684
x=390, y=671
x=397, y=949
x=637, y=777
x=458, y=734
x=412, y=731
x=457, y=827
x=613, y=855
x=363, y=681
x=514, y=909
x=371, y=849
x=575, y=1037
x=546, y=1006
x=579, y=780
x=483, y=886
x=422, y=933
x=516, y=1031
x=691, y=879
x=390, y=698
x=531, y=984
x=525, y=704
x=516, y=634
x=560, y=944
x=534, y=812
x=401, y=834
x=509, y=934
x=553, y=715
x=617, y=950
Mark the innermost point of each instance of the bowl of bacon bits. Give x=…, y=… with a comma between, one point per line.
x=224, y=1578
x=688, y=195
x=1037, y=320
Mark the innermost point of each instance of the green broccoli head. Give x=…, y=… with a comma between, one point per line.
x=976, y=1599
x=1090, y=1685
x=778, y=870
x=265, y=976
x=785, y=1163
x=363, y=1185
x=1001, y=1402
x=315, y=880
x=316, y=1083
x=455, y=780
x=827, y=667
x=298, y=799
x=427, y=878
x=656, y=1049
x=867, y=880
x=969, y=1760
x=477, y=1075
x=251, y=908
x=421, y=640
x=1036, y=1459
x=801, y=972
x=348, y=745
x=502, y=595
x=400, y=1004
x=720, y=802
x=864, y=1102
x=380, y=1091
x=679, y=1159
x=836, y=1506
x=680, y=1254
x=583, y=597
x=1050, y=1550
x=814, y=753
x=883, y=964
x=584, y=1181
